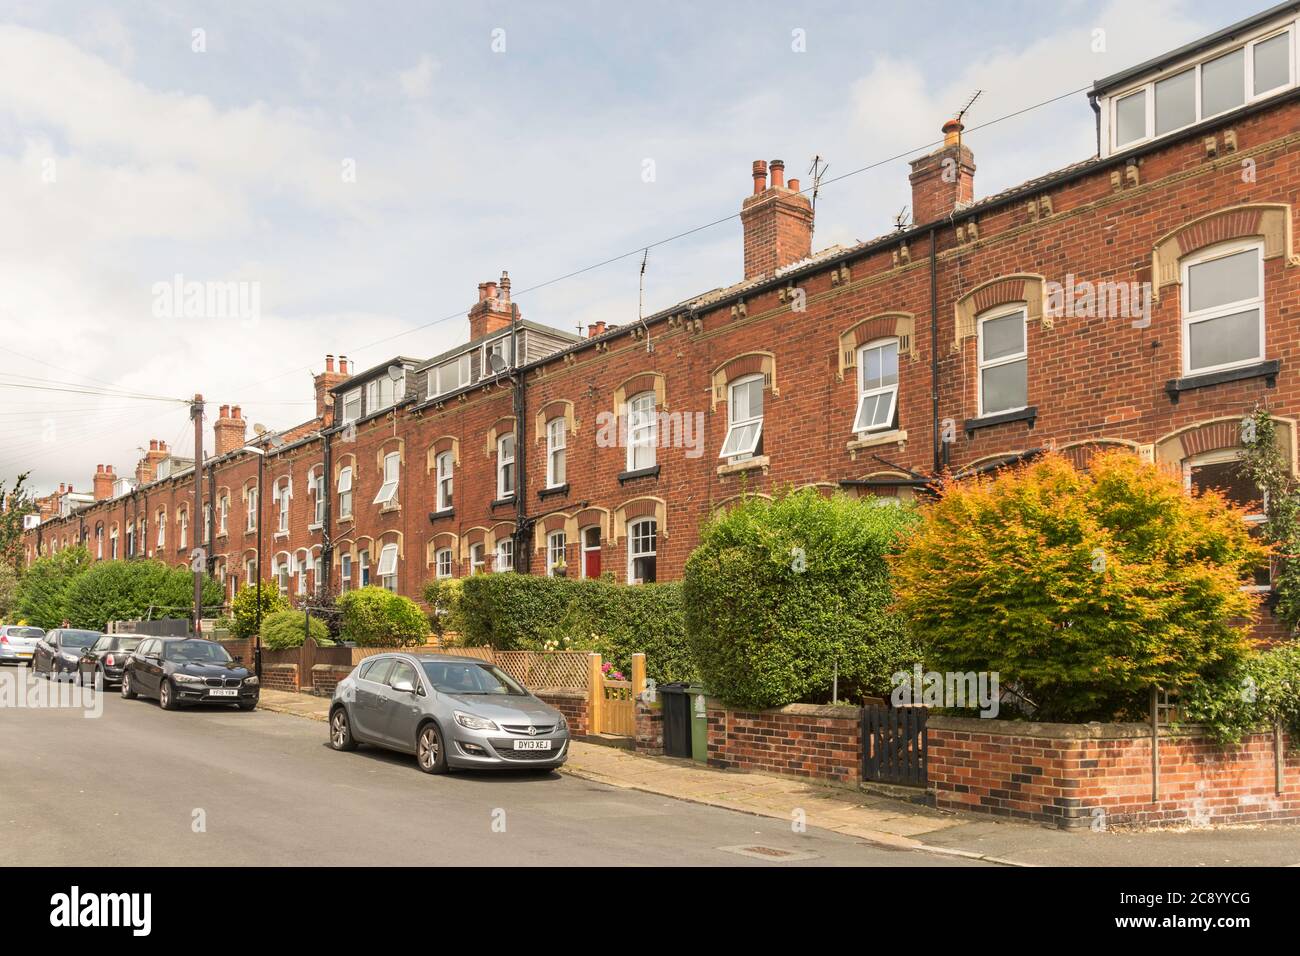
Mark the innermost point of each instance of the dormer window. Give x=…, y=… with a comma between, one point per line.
x=449, y=376
x=499, y=348
x=1224, y=78
x=383, y=392
x=351, y=406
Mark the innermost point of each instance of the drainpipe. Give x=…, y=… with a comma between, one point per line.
x=327, y=537
x=1096, y=108
x=934, y=345
x=523, y=527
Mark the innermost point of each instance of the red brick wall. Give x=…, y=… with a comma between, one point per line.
x=803, y=740
x=280, y=676
x=1098, y=775
x=326, y=677
x=572, y=704
x=649, y=728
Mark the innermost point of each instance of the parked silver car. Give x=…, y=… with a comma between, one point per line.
x=451, y=712
x=18, y=643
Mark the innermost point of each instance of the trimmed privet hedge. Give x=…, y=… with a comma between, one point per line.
x=523, y=612
x=286, y=629
x=126, y=590
x=374, y=617
x=781, y=592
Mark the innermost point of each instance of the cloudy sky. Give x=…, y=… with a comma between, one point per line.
x=364, y=165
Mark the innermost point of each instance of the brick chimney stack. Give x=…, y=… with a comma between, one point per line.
x=777, y=220
x=493, y=311
x=945, y=180
x=104, y=478
x=229, y=431
x=325, y=381
x=147, y=468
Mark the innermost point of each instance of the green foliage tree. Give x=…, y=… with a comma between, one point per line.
x=286, y=629
x=14, y=505
x=8, y=590
x=780, y=593
x=1262, y=691
x=443, y=598
x=1266, y=464
x=127, y=590
x=42, y=591
x=243, y=609
x=1081, y=589
x=375, y=617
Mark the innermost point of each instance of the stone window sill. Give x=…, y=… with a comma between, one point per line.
x=554, y=491
x=501, y=502
x=874, y=439
x=1265, y=370
x=625, y=476
x=439, y=515
x=749, y=464
x=390, y=509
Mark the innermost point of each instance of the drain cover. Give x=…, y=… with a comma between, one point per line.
x=758, y=851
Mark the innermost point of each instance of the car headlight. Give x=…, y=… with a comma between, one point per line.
x=70, y=658
x=187, y=679
x=561, y=725
x=471, y=722
x=251, y=681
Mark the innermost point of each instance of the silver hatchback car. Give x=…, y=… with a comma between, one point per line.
x=451, y=712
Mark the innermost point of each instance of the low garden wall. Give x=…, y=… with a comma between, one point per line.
x=571, y=703
x=1100, y=775
x=818, y=741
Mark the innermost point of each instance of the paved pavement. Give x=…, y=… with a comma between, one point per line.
x=205, y=786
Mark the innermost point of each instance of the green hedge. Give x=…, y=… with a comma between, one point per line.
x=243, y=609
x=781, y=592
x=126, y=590
x=374, y=617
x=286, y=629
x=525, y=612
x=41, y=600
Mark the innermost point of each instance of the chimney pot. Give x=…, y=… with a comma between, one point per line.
x=225, y=411
x=343, y=364
x=778, y=173
x=943, y=180
x=234, y=412
x=760, y=175
x=777, y=223
x=794, y=185
x=329, y=363
x=952, y=131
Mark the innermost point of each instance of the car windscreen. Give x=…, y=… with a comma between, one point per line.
x=27, y=633
x=79, y=638
x=123, y=644
x=196, y=652
x=471, y=677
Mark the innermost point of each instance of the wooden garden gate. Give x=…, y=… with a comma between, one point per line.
x=895, y=744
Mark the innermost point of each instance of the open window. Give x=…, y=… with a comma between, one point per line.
x=877, y=386
x=345, y=492
x=392, y=469
x=387, y=570
x=744, y=419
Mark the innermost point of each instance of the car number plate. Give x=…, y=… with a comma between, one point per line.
x=24, y=653
x=223, y=692
x=532, y=745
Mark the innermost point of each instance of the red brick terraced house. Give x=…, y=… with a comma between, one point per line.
x=1146, y=298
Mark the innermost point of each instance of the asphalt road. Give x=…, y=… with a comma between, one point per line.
x=132, y=787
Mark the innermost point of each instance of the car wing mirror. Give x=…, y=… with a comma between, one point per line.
x=404, y=687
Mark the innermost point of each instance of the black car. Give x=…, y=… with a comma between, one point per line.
x=107, y=658
x=187, y=670
x=57, y=653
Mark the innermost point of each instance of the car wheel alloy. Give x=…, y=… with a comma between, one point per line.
x=341, y=731
x=166, y=696
x=127, y=692
x=429, y=752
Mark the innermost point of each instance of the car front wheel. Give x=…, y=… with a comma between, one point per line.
x=429, y=752
x=166, y=695
x=341, y=730
x=128, y=692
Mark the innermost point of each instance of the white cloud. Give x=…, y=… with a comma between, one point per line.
x=417, y=82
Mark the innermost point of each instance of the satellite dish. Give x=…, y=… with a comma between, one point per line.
x=329, y=401
x=276, y=441
x=395, y=372
x=497, y=362
x=259, y=428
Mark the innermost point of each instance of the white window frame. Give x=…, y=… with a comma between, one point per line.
x=506, y=467
x=436, y=384
x=445, y=472
x=387, y=493
x=477, y=560
x=363, y=567
x=207, y=522
x=183, y=523
x=377, y=400
x=252, y=509
x=864, y=393
x=112, y=544
x=283, y=494
x=642, y=411
x=345, y=492
x=300, y=571
x=223, y=510
x=162, y=530
x=249, y=565
x=496, y=346
x=743, y=453
x=386, y=570
x=1219, y=251
x=99, y=543
x=345, y=573
x=1021, y=356
x=351, y=401
x=505, y=555
x=1248, y=85
x=556, y=451
x=556, y=544
x=634, y=535
x=442, y=564
x=318, y=492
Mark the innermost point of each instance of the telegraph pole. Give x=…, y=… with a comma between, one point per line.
x=196, y=518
